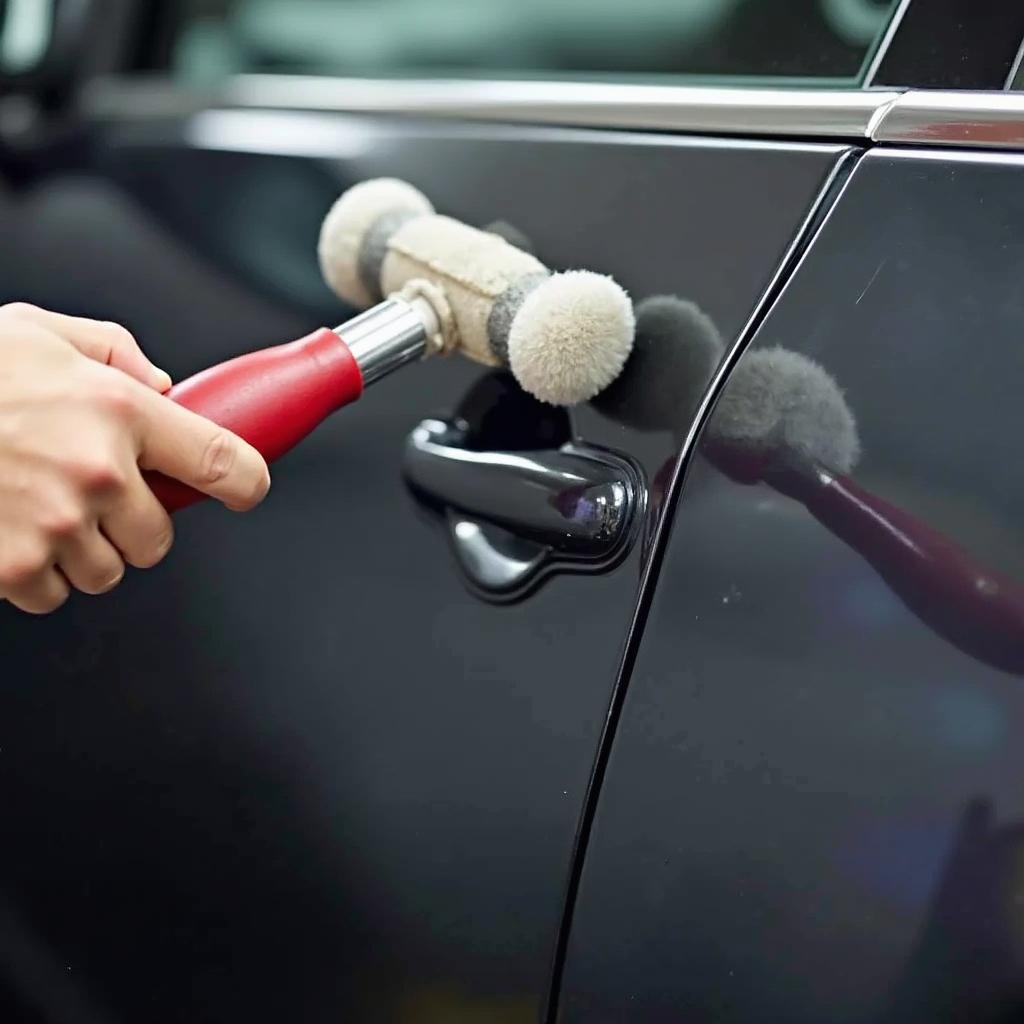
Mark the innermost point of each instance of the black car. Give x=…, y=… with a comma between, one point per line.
x=370, y=754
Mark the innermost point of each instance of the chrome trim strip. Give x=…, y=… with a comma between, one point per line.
x=817, y=113
x=883, y=45
x=994, y=120
x=948, y=156
x=321, y=135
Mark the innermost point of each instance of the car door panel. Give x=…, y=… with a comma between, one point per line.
x=812, y=805
x=299, y=771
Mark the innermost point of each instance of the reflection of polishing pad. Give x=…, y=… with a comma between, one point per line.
x=778, y=400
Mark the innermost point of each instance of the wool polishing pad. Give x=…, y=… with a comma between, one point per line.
x=676, y=351
x=565, y=337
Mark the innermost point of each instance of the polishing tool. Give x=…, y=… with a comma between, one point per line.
x=564, y=336
x=435, y=286
x=675, y=352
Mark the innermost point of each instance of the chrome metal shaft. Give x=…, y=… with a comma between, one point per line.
x=386, y=337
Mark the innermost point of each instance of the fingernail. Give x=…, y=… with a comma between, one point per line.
x=161, y=380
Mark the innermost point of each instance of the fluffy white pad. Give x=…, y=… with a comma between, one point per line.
x=472, y=267
x=345, y=227
x=571, y=337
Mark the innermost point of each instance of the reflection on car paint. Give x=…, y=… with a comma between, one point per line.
x=783, y=421
x=792, y=430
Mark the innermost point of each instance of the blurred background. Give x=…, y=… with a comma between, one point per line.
x=641, y=37
x=203, y=40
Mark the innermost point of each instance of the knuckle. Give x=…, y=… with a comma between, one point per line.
x=218, y=458
x=64, y=521
x=18, y=310
x=21, y=569
x=99, y=474
x=116, y=395
x=119, y=336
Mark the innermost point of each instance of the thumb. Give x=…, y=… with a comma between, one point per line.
x=181, y=444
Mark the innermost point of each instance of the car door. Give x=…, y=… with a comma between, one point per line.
x=811, y=808
x=302, y=769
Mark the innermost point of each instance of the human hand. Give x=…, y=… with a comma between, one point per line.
x=81, y=415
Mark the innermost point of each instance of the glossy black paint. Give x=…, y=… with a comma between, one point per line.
x=298, y=771
x=812, y=805
x=953, y=44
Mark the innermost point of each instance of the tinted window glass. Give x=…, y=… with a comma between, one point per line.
x=829, y=40
x=25, y=30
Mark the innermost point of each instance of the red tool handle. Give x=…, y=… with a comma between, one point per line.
x=272, y=398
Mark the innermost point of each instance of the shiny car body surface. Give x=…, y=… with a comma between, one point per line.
x=759, y=766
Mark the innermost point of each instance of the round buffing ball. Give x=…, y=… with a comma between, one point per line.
x=676, y=350
x=571, y=337
x=347, y=225
x=778, y=400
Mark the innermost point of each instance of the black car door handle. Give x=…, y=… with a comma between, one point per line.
x=516, y=516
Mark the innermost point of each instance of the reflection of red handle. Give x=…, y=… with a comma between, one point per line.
x=273, y=398
x=977, y=609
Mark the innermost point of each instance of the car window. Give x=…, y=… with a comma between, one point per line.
x=829, y=41
x=25, y=30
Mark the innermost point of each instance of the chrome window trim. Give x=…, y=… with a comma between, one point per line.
x=993, y=120
x=817, y=113
x=342, y=136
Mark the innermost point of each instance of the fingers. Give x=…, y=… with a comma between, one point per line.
x=100, y=340
x=78, y=427
x=137, y=525
x=38, y=593
x=192, y=449
x=90, y=557
x=90, y=563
